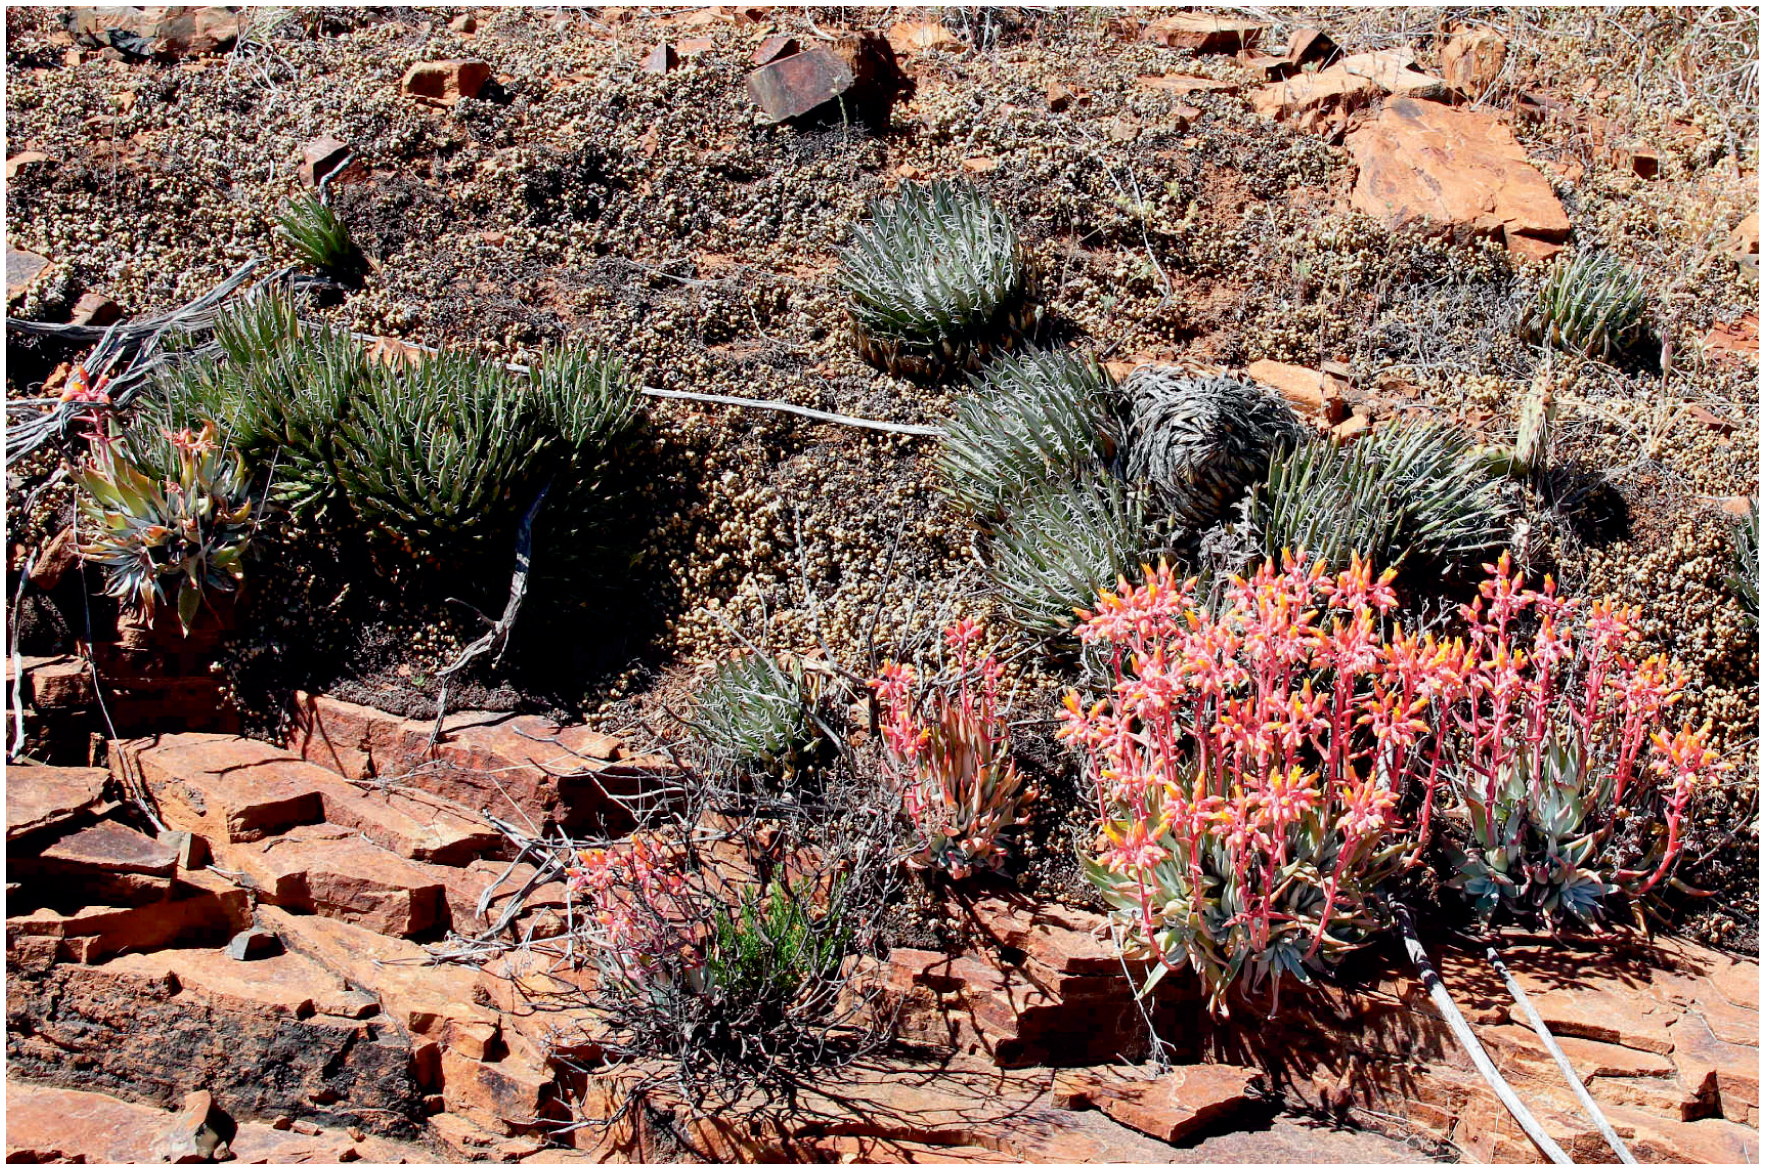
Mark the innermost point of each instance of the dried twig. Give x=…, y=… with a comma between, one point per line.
x=497, y=637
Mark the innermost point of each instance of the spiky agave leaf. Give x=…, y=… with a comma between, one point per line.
x=756, y=715
x=440, y=455
x=1200, y=440
x=1030, y=418
x=322, y=240
x=933, y=277
x=1409, y=489
x=1062, y=544
x=1743, y=579
x=1592, y=304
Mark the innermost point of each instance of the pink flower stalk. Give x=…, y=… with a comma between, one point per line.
x=952, y=762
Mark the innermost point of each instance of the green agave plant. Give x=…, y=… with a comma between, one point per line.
x=164, y=514
x=934, y=278
x=322, y=241
x=1061, y=545
x=1409, y=489
x=758, y=715
x=442, y=457
x=1030, y=418
x=1201, y=440
x=1592, y=305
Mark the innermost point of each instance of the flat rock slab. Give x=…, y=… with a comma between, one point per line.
x=515, y=766
x=44, y=798
x=1171, y=1107
x=21, y=268
x=285, y=984
x=45, y=1124
x=112, y=847
x=1203, y=32
x=200, y=907
x=1347, y=85
x=422, y=999
x=409, y=822
x=332, y=871
x=1460, y=172
x=157, y=1027
x=224, y=788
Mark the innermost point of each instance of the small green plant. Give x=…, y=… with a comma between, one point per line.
x=442, y=457
x=445, y=456
x=934, y=278
x=1034, y=417
x=164, y=514
x=1201, y=440
x=277, y=392
x=322, y=241
x=1743, y=579
x=1062, y=544
x=757, y=715
x=776, y=945
x=1591, y=305
x=1408, y=490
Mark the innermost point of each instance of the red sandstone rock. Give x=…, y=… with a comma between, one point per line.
x=161, y=1025
x=332, y=871
x=445, y=82
x=1204, y=33
x=39, y=798
x=60, y=683
x=1169, y=1107
x=909, y=37
x=95, y=309
x=1066, y=939
x=1349, y=84
x=420, y=998
x=504, y=1096
x=157, y=30
x=223, y=788
x=1304, y=389
x=202, y=907
x=46, y=1124
x=1600, y=1014
x=516, y=766
x=1472, y=61
x=409, y=822
x=1461, y=172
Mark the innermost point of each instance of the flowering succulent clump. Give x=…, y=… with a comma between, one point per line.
x=165, y=515
x=1253, y=764
x=951, y=757
x=637, y=927
x=935, y=278
x=1561, y=753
